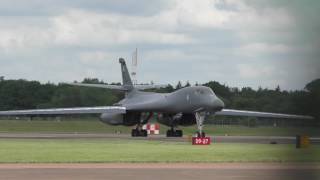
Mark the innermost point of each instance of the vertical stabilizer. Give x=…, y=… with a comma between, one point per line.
x=126, y=80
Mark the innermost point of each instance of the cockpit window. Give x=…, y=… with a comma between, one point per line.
x=212, y=93
x=204, y=91
x=199, y=92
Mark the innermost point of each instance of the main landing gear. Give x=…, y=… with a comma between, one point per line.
x=200, y=116
x=139, y=132
x=174, y=132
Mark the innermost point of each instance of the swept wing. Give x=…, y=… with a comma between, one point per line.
x=118, y=87
x=106, y=86
x=61, y=111
x=234, y=112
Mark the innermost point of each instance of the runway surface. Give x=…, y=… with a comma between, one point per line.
x=146, y=171
x=215, y=139
x=157, y=171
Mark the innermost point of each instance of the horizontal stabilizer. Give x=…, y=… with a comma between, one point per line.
x=106, y=86
x=142, y=87
x=62, y=111
x=118, y=87
x=233, y=112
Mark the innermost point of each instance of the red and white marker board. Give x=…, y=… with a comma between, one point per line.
x=152, y=128
x=201, y=140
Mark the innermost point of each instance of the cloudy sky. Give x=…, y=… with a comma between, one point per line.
x=237, y=42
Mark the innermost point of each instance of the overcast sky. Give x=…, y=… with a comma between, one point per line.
x=237, y=42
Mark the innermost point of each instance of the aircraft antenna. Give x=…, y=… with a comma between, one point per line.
x=134, y=66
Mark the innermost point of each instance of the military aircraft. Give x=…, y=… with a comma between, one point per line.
x=186, y=106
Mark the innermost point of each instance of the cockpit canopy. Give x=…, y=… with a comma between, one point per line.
x=204, y=91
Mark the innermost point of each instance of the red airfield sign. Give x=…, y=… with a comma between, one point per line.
x=201, y=140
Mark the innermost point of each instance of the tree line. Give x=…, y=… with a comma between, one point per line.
x=24, y=94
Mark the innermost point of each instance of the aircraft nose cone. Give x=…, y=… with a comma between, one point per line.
x=219, y=104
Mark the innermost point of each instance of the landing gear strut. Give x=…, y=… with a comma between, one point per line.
x=173, y=132
x=200, y=116
x=139, y=132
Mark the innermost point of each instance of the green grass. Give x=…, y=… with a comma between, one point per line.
x=71, y=151
x=95, y=126
x=88, y=125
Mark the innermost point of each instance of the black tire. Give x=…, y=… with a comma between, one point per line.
x=134, y=133
x=203, y=134
x=179, y=133
x=169, y=133
x=144, y=133
x=198, y=134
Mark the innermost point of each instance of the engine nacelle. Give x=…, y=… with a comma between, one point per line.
x=128, y=119
x=177, y=119
x=112, y=118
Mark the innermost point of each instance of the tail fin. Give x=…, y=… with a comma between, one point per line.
x=126, y=80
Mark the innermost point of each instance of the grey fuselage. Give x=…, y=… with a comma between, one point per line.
x=185, y=100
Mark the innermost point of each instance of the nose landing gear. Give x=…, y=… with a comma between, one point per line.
x=200, y=117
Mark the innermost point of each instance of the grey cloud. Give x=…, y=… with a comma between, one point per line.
x=54, y=7
x=231, y=50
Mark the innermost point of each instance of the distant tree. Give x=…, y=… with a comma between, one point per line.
x=19, y=94
x=221, y=90
x=313, y=97
x=179, y=86
x=169, y=88
x=187, y=84
x=248, y=92
x=116, y=83
x=92, y=81
x=313, y=86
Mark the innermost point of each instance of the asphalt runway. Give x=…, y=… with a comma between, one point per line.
x=215, y=139
x=155, y=171
x=146, y=171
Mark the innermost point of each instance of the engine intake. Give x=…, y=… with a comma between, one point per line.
x=112, y=118
x=128, y=119
x=176, y=119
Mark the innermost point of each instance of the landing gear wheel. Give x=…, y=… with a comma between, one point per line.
x=134, y=132
x=201, y=135
x=139, y=133
x=174, y=133
x=144, y=133
x=179, y=133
